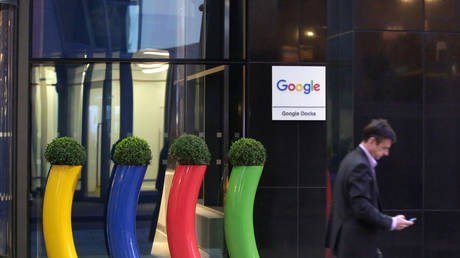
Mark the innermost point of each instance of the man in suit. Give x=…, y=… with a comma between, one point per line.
x=356, y=215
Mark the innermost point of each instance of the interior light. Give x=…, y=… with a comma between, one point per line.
x=156, y=53
x=161, y=68
x=309, y=33
x=150, y=65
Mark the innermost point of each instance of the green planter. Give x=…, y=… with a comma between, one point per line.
x=248, y=157
x=239, y=206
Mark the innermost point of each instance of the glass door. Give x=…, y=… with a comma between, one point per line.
x=205, y=102
x=199, y=102
x=100, y=127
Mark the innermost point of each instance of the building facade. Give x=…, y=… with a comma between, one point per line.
x=99, y=71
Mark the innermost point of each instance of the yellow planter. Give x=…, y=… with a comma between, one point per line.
x=57, y=210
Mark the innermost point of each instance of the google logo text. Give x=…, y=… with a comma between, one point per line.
x=307, y=88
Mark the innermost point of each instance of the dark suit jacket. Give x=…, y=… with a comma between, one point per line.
x=356, y=216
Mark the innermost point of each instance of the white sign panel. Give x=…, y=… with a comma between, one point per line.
x=299, y=93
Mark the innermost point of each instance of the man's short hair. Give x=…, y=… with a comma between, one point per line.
x=380, y=129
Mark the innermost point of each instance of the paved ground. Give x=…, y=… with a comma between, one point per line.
x=88, y=229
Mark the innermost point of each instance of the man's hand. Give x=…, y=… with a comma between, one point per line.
x=402, y=223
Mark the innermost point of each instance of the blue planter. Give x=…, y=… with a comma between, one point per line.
x=121, y=211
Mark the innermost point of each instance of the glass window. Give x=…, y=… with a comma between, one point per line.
x=100, y=103
x=201, y=100
x=7, y=18
x=158, y=29
x=97, y=104
x=149, y=95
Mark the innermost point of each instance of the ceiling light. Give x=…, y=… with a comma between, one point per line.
x=157, y=53
x=309, y=33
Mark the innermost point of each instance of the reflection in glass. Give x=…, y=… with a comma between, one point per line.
x=149, y=92
x=44, y=107
x=100, y=103
x=97, y=104
x=126, y=29
x=94, y=121
x=195, y=101
x=7, y=18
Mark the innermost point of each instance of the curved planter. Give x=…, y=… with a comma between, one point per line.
x=239, y=206
x=180, y=218
x=57, y=210
x=121, y=211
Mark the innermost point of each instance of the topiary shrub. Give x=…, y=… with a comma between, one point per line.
x=132, y=151
x=65, y=151
x=190, y=150
x=247, y=152
x=112, y=150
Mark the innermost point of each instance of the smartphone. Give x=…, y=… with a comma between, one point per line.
x=412, y=219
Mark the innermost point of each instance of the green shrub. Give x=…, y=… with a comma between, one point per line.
x=190, y=150
x=65, y=151
x=112, y=150
x=132, y=151
x=247, y=152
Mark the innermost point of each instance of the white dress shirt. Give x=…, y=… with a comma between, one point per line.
x=373, y=163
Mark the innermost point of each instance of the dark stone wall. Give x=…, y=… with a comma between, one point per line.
x=290, y=205
x=400, y=60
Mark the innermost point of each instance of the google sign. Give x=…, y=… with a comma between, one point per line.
x=299, y=93
x=306, y=88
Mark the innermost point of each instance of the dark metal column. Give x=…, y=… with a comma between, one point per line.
x=126, y=100
x=106, y=130
x=84, y=129
x=22, y=139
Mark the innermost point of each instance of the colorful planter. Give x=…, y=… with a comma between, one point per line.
x=57, y=210
x=239, y=206
x=180, y=218
x=121, y=211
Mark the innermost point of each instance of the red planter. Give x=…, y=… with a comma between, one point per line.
x=180, y=217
